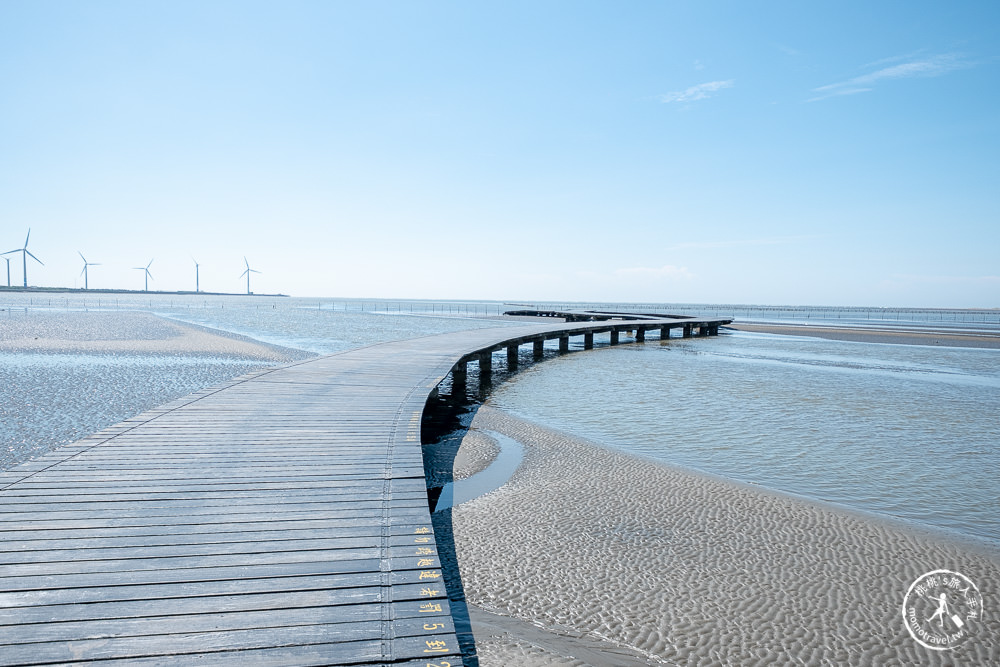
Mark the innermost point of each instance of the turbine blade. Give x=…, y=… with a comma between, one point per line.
x=84, y=270
x=244, y=273
x=26, y=238
x=81, y=256
x=33, y=257
x=246, y=262
x=150, y=264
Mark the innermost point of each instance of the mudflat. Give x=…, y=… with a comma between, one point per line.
x=647, y=563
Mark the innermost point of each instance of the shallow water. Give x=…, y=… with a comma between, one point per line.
x=490, y=478
x=900, y=430
x=53, y=399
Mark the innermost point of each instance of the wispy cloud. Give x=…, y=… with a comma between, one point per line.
x=699, y=92
x=910, y=68
x=777, y=240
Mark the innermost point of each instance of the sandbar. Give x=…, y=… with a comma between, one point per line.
x=135, y=332
x=677, y=567
x=898, y=336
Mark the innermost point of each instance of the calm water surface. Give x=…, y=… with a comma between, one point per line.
x=901, y=430
x=905, y=431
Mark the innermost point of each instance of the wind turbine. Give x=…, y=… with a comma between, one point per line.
x=25, y=254
x=247, y=273
x=7, y=259
x=85, y=273
x=146, y=269
x=196, y=275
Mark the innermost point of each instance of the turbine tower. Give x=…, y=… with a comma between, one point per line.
x=86, y=273
x=247, y=273
x=146, y=269
x=7, y=259
x=197, y=287
x=25, y=254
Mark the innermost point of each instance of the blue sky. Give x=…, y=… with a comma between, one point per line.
x=731, y=152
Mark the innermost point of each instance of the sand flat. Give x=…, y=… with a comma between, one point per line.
x=691, y=569
x=916, y=336
x=101, y=332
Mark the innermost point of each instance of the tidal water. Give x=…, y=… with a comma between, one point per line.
x=905, y=431
x=899, y=430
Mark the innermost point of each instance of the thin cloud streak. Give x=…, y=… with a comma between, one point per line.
x=699, y=92
x=924, y=68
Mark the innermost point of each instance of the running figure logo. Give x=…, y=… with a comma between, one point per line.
x=941, y=609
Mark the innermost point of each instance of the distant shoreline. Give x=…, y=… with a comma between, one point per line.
x=926, y=336
x=72, y=290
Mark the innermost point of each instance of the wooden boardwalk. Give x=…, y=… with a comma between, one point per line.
x=277, y=519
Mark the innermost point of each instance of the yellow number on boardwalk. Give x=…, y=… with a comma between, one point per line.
x=430, y=607
x=429, y=592
x=429, y=574
x=433, y=626
x=423, y=530
x=424, y=551
x=421, y=540
x=435, y=646
x=425, y=562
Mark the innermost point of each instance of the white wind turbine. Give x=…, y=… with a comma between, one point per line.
x=25, y=254
x=197, y=266
x=247, y=274
x=7, y=259
x=146, y=269
x=85, y=273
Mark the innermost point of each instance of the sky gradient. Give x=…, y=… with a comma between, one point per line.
x=821, y=153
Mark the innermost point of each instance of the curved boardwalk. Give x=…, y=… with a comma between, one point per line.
x=278, y=519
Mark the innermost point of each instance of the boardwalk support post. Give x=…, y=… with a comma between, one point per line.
x=458, y=377
x=588, y=341
x=563, y=344
x=687, y=330
x=664, y=333
x=640, y=335
x=537, y=348
x=614, y=336
x=512, y=357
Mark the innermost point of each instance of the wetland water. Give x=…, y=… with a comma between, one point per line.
x=899, y=430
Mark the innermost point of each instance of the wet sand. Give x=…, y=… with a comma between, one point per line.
x=651, y=564
x=64, y=375
x=114, y=332
x=925, y=336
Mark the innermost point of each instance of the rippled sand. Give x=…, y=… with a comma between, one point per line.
x=100, y=332
x=690, y=569
x=65, y=375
